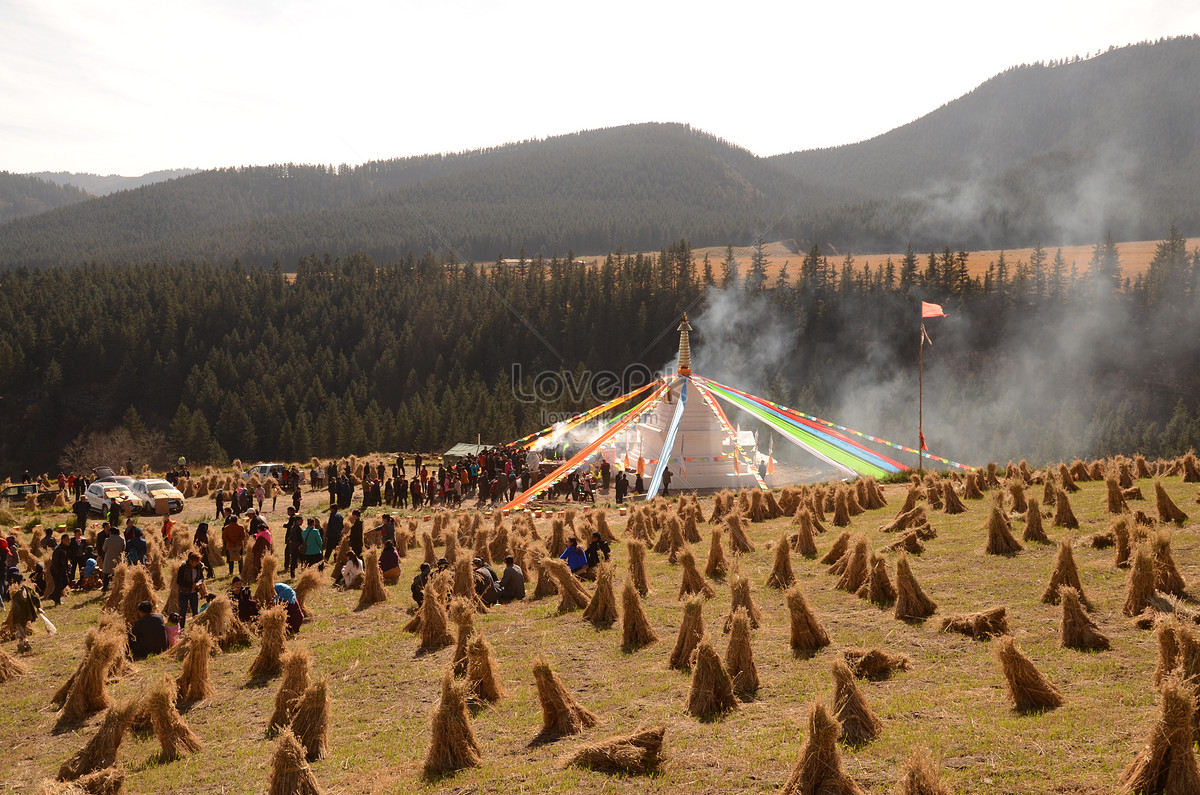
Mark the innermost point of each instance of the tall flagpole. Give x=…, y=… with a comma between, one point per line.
x=921, y=403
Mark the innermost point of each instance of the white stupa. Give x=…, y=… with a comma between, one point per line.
x=702, y=456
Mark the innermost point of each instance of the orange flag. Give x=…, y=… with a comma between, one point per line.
x=931, y=310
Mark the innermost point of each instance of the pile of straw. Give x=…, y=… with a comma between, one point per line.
x=807, y=633
x=1078, y=630
x=782, y=576
x=1063, y=573
x=1166, y=762
x=739, y=657
x=297, y=668
x=711, y=690
x=637, y=565
x=1000, y=540
x=874, y=664
x=691, y=630
x=982, y=625
x=269, y=660
x=561, y=714
x=692, y=582
x=637, y=754
x=859, y=723
x=309, y=716
x=636, y=631
x=453, y=745
x=193, y=683
x=819, y=769
x=716, y=567
x=373, y=591
x=100, y=751
x=601, y=611
x=481, y=671
x=1168, y=511
x=174, y=736
x=290, y=773
x=1028, y=688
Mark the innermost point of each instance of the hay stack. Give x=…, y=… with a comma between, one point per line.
x=269, y=660
x=297, y=669
x=692, y=582
x=910, y=542
x=782, y=576
x=1166, y=762
x=911, y=602
x=739, y=593
x=193, y=683
x=601, y=611
x=561, y=714
x=819, y=769
x=1120, y=530
x=637, y=565
x=835, y=553
x=841, y=509
x=573, y=596
x=1114, y=498
x=174, y=736
x=711, y=691
x=982, y=625
x=1168, y=511
x=803, y=542
x=1063, y=573
x=435, y=631
x=736, y=525
x=1078, y=630
x=921, y=776
x=116, y=587
x=452, y=745
x=1000, y=540
x=108, y=781
x=100, y=751
x=878, y=589
x=859, y=723
x=87, y=691
x=874, y=664
x=1028, y=688
x=11, y=667
x=1020, y=502
x=290, y=773
x=1063, y=515
x=1067, y=477
x=1166, y=574
x=373, y=591
x=482, y=681
x=808, y=636
x=138, y=588
x=463, y=616
x=954, y=503
x=857, y=566
x=310, y=720
x=1033, y=523
x=716, y=567
x=546, y=586
x=637, y=754
x=1139, y=584
x=464, y=584
x=636, y=630
x=739, y=657
x=691, y=630
x=1169, y=633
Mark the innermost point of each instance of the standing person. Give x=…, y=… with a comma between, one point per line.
x=82, y=510
x=191, y=582
x=666, y=481
x=233, y=536
x=220, y=498
x=200, y=540
x=296, y=496
x=402, y=492
x=333, y=531
x=113, y=551
x=260, y=494
x=135, y=547
x=312, y=544
x=24, y=611
x=292, y=541
x=356, y=532
x=75, y=555
x=58, y=567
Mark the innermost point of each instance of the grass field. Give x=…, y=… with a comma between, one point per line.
x=952, y=700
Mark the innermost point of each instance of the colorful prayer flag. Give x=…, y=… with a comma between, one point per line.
x=931, y=310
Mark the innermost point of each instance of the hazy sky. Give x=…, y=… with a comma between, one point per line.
x=133, y=86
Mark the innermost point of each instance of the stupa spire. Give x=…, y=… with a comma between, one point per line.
x=685, y=347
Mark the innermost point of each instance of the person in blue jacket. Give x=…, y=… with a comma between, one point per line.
x=574, y=556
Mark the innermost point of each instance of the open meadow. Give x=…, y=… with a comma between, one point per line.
x=952, y=699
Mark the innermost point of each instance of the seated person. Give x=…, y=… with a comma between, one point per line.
x=89, y=573
x=284, y=595
x=597, y=548
x=352, y=571
x=38, y=578
x=512, y=582
x=389, y=563
x=485, y=582
x=575, y=557
x=148, y=635
x=173, y=629
x=208, y=597
x=247, y=607
x=418, y=583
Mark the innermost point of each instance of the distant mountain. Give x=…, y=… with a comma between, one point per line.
x=22, y=195
x=103, y=185
x=1058, y=154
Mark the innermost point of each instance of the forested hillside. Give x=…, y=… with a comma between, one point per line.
x=22, y=195
x=104, y=184
x=1036, y=360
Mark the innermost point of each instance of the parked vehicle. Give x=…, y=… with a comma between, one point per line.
x=264, y=471
x=148, y=492
x=103, y=493
x=19, y=492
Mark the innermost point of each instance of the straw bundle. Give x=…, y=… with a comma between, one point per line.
x=878, y=589
x=1028, y=688
x=808, y=636
x=691, y=629
x=921, y=776
x=1166, y=574
x=841, y=510
x=1168, y=511
x=431, y=556
x=910, y=542
x=1166, y=762
x=174, y=736
x=601, y=611
x=1017, y=490
x=910, y=499
x=716, y=567
x=904, y=520
x=859, y=723
x=116, y=587
x=636, y=630
x=435, y=632
x=857, y=566
x=1114, y=497
x=464, y=584
x=290, y=773
x=1000, y=540
x=835, y=553
x=1033, y=523
x=802, y=541
x=911, y=602
x=739, y=657
x=1078, y=630
x=108, y=781
x=572, y=594
x=782, y=576
x=1067, y=478
x=954, y=503
x=269, y=660
x=874, y=664
x=463, y=617
x=264, y=590
x=711, y=690
x=819, y=769
x=1120, y=530
x=11, y=667
x=453, y=745
x=482, y=681
x=309, y=581
x=637, y=565
x=297, y=670
x=373, y=591
x=982, y=625
x=558, y=538
x=561, y=714
x=817, y=502
x=637, y=754
x=546, y=584
x=193, y=683
x=738, y=541
x=88, y=692
x=972, y=489
x=1139, y=589
x=310, y=720
x=100, y=751
x=1063, y=573
x=1063, y=515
